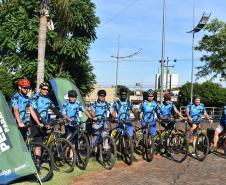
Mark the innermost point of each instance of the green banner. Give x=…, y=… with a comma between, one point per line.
x=15, y=159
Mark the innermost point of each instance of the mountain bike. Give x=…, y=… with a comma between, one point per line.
x=124, y=142
x=198, y=139
x=80, y=141
x=105, y=148
x=146, y=140
x=44, y=163
x=62, y=149
x=171, y=142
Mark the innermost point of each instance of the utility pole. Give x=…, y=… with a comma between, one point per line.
x=118, y=58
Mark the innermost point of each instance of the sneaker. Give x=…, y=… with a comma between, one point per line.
x=213, y=149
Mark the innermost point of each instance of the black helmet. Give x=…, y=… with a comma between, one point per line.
x=101, y=93
x=123, y=90
x=72, y=93
x=150, y=92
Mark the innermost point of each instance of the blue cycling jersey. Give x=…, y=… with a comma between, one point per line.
x=21, y=102
x=166, y=110
x=100, y=108
x=196, y=112
x=123, y=109
x=41, y=104
x=149, y=109
x=72, y=110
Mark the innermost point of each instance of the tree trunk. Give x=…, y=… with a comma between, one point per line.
x=41, y=50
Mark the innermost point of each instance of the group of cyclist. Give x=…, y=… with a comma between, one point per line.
x=39, y=104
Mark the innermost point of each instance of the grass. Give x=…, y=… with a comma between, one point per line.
x=65, y=178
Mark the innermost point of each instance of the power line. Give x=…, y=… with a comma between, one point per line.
x=119, y=13
x=140, y=60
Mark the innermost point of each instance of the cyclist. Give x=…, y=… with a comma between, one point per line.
x=221, y=128
x=19, y=104
x=149, y=106
x=71, y=109
x=121, y=109
x=194, y=113
x=166, y=109
x=100, y=111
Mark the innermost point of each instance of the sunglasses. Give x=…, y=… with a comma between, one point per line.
x=101, y=95
x=44, y=89
x=123, y=94
x=26, y=88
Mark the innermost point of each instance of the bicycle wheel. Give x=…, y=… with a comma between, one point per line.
x=45, y=163
x=178, y=147
x=108, y=152
x=63, y=154
x=127, y=149
x=158, y=141
x=201, y=146
x=82, y=151
x=149, y=146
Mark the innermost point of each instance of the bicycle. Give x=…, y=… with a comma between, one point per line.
x=171, y=142
x=221, y=144
x=62, y=149
x=199, y=140
x=45, y=163
x=145, y=139
x=105, y=144
x=80, y=141
x=124, y=142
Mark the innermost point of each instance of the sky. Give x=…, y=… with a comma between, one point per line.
x=137, y=24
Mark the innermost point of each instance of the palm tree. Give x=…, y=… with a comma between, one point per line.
x=63, y=8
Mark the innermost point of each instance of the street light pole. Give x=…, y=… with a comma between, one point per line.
x=196, y=29
x=163, y=50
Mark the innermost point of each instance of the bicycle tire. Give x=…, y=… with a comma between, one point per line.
x=158, y=141
x=46, y=161
x=149, y=146
x=178, y=147
x=82, y=150
x=127, y=148
x=108, y=156
x=201, y=146
x=63, y=154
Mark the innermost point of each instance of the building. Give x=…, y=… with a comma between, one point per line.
x=93, y=95
x=169, y=80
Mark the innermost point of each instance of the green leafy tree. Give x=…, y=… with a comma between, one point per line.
x=66, y=53
x=214, y=46
x=213, y=94
x=6, y=85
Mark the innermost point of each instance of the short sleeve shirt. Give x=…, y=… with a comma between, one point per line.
x=21, y=102
x=41, y=104
x=196, y=112
x=166, y=110
x=149, y=109
x=72, y=110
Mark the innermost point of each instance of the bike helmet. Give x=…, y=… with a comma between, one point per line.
x=150, y=92
x=167, y=96
x=44, y=84
x=123, y=90
x=24, y=83
x=101, y=93
x=72, y=93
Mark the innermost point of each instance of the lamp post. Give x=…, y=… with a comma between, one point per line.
x=163, y=48
x=118, y=58
x=196, y=29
